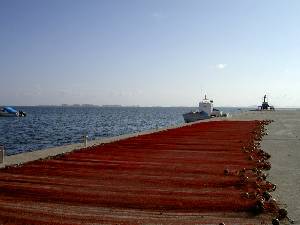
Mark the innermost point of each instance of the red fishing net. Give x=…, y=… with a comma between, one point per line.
x=210, y=167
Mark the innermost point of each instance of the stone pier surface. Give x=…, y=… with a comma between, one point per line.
x=175, y=176
x=283, y=143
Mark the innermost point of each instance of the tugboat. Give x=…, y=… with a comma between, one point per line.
x=265, y=105
x=11, y=112
x=205, y=111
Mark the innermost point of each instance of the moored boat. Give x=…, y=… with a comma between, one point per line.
x=11, y=112
x=205, y=111
x=194, y=116
x=264, y=106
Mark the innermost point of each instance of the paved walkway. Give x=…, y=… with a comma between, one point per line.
x=283, y=143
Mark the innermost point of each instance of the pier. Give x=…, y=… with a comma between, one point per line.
x=283, y=143
x=202, y=173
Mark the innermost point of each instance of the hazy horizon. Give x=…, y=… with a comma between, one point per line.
x=149, y=53
x=143, y=106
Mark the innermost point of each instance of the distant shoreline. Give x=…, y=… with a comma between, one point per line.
x=140, y=106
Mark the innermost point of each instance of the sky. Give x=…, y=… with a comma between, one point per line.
x=149, y=52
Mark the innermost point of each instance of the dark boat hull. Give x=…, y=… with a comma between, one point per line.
x=195, y=116
x=5, y=114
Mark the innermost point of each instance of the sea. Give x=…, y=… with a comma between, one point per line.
x=50, y=126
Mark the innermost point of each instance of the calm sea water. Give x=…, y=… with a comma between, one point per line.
x=54, y=126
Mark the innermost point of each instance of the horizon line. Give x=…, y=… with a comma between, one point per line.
x=142, y=106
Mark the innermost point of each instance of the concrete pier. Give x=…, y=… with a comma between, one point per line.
x=282, y=142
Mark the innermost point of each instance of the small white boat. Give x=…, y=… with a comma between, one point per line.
x=216, y=113
x=205, y=111
x=11, y=112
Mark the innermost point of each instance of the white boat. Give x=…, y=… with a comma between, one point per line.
x=205, y=111
x=216, y=113
x=11, y=112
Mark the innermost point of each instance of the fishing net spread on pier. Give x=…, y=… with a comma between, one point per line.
x=205, y=173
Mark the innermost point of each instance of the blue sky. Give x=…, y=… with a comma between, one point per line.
x=167, y=52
